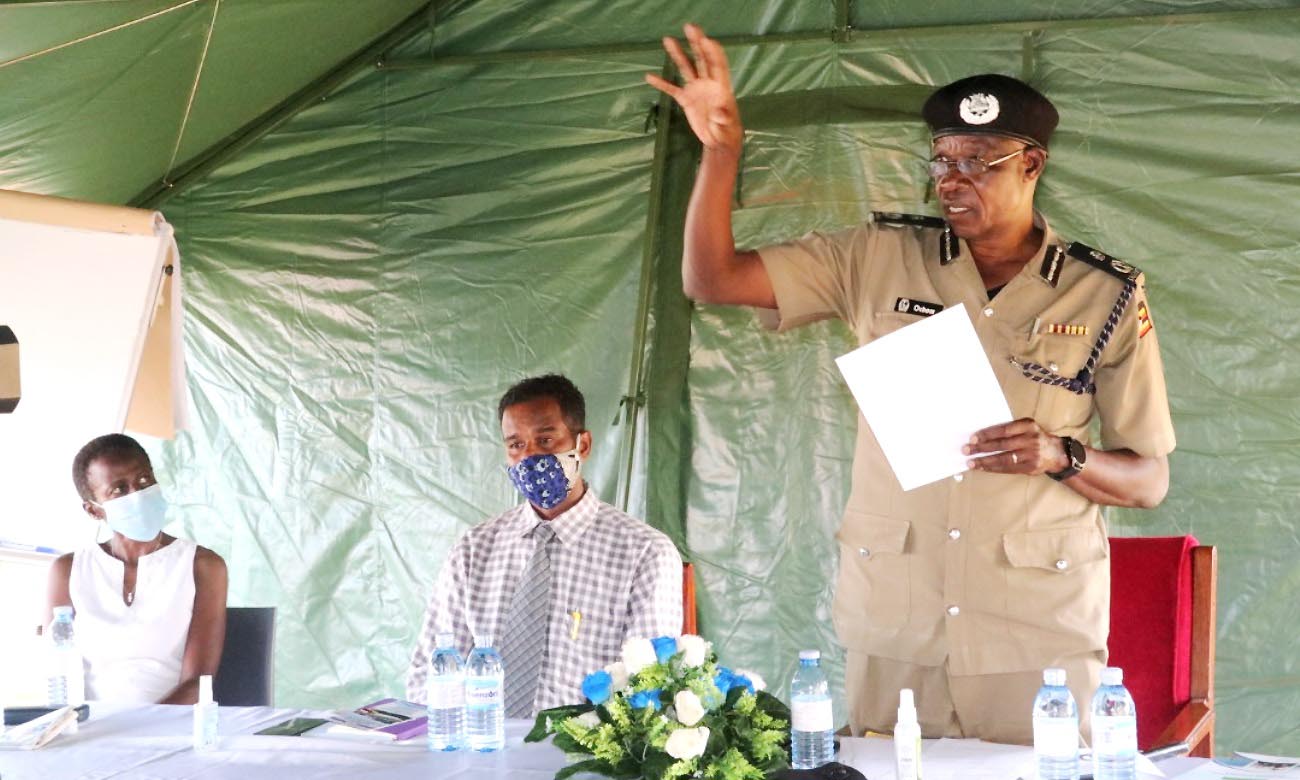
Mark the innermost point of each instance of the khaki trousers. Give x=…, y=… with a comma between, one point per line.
x=991, y=707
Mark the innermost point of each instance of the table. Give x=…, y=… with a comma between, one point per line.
x=153, y=743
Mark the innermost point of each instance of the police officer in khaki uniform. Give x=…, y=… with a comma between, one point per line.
x=965, y=589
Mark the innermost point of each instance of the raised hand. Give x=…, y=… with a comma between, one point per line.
x=705, y=95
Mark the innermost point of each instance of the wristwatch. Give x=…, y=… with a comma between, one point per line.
x=1078, y=455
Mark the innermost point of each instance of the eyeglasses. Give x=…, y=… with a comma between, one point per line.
x=969, y=166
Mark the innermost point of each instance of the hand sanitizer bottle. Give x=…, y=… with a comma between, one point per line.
x=907, y=739
x=205, y=717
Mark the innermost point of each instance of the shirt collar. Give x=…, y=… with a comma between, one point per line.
x=1046, y=263
x=568, y=526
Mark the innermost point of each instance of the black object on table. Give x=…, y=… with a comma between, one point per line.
x=16, y=716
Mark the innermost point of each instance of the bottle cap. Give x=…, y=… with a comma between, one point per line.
x=205, y=689
x=444, y=641
x=906, y=706
x=483, y=641
x=810, y=655
x=64, y=611
x=1054, y=676
x=1112, y=675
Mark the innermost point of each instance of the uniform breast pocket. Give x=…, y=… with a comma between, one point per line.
x=1058, y=409
x=873, y=589
x=886, y=322
x=595, y=621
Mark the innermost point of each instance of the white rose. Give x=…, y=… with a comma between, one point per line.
x=638, y=654
x=617, y=671
x=589, y=719
x=687, y=743
x=759, y=683
x=689, y=708
x=694, y=650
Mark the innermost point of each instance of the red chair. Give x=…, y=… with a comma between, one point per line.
x=1162, y=628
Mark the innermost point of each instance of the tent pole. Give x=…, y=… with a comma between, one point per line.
x=843, y=30
x=634, y=400
x=206, y=161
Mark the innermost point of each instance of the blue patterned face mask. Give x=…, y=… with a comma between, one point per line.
x=545, y=480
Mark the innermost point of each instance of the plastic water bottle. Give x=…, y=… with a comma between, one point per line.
x=1056, y=729
x=446, y=696
x=66, y=682
x=485, y=724
x=812, y=721
x=1114, y=729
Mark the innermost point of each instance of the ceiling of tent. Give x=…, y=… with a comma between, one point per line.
x=101, y=99
x=119, y=101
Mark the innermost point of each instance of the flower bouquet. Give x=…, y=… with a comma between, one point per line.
x=667, y=710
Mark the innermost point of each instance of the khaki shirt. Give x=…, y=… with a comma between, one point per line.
x=993, y=572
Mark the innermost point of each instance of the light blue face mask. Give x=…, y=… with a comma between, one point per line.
x=138, y=516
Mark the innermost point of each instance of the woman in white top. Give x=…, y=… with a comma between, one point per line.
x=150, y=609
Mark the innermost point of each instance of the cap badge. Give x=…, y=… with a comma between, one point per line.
x=979, y=109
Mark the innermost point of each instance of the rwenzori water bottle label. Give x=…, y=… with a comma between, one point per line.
x=1056, y=737
x=812, y=715
x=1114, y=734
x=480, y=695
x=446, y=693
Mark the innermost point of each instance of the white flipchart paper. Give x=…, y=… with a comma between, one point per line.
x=924, y=389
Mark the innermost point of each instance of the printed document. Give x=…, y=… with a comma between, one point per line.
x=924, y=390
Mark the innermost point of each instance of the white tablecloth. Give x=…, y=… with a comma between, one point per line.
x=153, y=743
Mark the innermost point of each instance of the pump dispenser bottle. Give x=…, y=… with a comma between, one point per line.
x=205, y=717
x=907, y=739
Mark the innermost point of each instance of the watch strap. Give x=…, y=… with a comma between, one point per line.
x=1076, y=454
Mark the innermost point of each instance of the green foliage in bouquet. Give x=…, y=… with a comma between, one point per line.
x=667, y=710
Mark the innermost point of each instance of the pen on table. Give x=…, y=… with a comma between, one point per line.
x=576, y=621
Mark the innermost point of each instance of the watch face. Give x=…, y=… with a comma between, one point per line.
x=1075, y=451
x=1078, y=455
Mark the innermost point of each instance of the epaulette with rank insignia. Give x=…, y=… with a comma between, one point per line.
x=1104, y=262
x=948, y=246
x=1085, y=380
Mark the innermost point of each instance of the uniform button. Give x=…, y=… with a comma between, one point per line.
x=958, y=477
x=864, y=552
x=1053, y=367
x=954, y=534
x=988, y=311
x=954, y=610
x=1062, y=564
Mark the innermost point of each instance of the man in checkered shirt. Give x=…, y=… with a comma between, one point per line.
x=613, y=577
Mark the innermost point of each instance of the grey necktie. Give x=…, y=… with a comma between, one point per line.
x=523, y=645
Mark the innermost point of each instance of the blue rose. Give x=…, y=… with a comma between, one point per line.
x=723, y=679
x=597, y=687
x=643, y=699
x=741, y=681
x=665, y=647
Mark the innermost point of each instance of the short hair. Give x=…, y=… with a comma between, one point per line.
x=555, y=386
x=112, y=445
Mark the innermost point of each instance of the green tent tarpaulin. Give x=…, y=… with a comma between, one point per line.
x=389, y=211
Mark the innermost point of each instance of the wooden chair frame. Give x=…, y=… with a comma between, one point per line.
x=1194, y=723
x=688, y=599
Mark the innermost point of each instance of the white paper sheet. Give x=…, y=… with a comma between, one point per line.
x=924, y=390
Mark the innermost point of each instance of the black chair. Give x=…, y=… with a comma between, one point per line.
x=246, y=677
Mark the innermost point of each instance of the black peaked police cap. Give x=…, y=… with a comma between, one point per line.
x=991, y=104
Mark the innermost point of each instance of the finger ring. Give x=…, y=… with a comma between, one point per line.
x=1015, y=458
